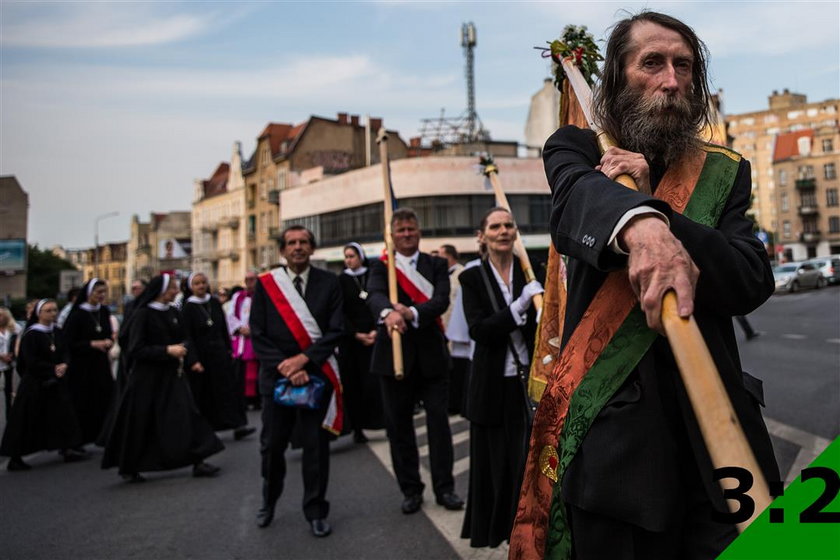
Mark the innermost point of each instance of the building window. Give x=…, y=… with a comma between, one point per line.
x=786, y=229
x=805, y=172
x=827, y=145
x=782, y=177
x=834, y=224
x=784, y=202
x=830, y=171
x=831, y=197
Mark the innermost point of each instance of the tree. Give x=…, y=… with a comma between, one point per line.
x=42, y=275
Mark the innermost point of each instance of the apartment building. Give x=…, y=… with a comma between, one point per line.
x=754, y=135
x=163, y=244
x=287, y=155
x=805, y=165
x=218, y=233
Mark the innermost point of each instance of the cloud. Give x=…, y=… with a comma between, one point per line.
x=97, y=25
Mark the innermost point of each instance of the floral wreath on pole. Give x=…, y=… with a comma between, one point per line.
x=575, y=42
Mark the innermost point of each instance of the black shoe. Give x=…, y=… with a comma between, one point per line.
x=360, y=437
x=17, y=464
x=133, y=477
x=265, y=516
x=205, y=470
x=243, y=432
x=320, y=527
x=411, y=504
x=72, y=455
x=450, y=500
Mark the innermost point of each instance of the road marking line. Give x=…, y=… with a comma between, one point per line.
x=794, y=336
x=448, y=523
x=833, y=340
x=456, y=439
x=811, y=445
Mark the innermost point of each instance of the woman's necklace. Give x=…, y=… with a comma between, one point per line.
x=93, y=316
x=52, y=341
x=361, y=282
x=206, y=313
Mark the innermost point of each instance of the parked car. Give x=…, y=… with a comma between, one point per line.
x=829, y=267
x=792, y=276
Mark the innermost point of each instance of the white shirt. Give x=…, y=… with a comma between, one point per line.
x=304, y=278
x=516, y=335
x=410, y=262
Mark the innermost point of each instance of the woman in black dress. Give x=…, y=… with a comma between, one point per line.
x=89, y=338
x=208, y=363
x=502, y=322
x=42, y=415
x=156, y=425
x=361, y=389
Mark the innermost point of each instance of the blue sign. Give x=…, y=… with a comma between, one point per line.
x=12, y=255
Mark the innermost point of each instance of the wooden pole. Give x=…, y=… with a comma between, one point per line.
x=719, y=425
x=396, y=337
x=492, y=173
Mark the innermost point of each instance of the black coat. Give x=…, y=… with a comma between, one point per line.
x=42, y=416
x=491, y=332
x=632, y=462
x=89, y=370
x=156, y=425
x=209, y=345
x=423, y=347
x=273, y=341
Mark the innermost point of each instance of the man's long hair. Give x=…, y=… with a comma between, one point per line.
x=614, y=81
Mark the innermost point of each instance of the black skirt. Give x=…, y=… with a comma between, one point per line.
x=42, y=417
x=156, y=425
x=497, y=461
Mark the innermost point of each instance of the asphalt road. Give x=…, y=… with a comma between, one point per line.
x=59, y=510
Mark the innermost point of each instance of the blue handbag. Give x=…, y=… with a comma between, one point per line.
x=301, y=396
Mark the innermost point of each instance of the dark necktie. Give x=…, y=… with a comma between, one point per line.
x=298, y=282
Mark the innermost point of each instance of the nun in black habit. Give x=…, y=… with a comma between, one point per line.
x=156, y=425
x=89, y=338
x=42, y=416
x=209, y=364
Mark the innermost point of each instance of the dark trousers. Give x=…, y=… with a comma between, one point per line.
x=458, y=384
x=278, y=423
x=398, y=398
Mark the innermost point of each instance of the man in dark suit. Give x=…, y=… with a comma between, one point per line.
x=281, y=352
x=425, y=358
x=641, y=473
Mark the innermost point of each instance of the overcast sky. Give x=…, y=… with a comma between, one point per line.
x=119, y=106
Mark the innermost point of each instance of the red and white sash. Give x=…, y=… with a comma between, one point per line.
x=304, y=328
x=414, y=284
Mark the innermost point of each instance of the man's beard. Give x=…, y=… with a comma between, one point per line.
x=662, y=128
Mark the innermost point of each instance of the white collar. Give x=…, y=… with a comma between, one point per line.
x=158, y=306
x=303, y=275
x=196, y=299
x=358, y=272
x=408, y=259
x=41, y=328
x=89, y=306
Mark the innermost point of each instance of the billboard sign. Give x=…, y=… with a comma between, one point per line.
x=172, y=248
x=12, y=255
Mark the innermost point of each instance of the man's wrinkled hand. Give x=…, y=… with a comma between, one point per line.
x=292, y=365
x=658, y=262
x=616, y=161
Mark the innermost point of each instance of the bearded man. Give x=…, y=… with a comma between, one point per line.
x=635, y=478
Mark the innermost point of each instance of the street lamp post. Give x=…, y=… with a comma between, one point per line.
x=96, y=240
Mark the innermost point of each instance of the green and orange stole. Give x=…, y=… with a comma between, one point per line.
x=606, y=346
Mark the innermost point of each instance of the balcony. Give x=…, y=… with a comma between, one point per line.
x=274, y=196
x=806, y=184
x=209, y=228
x=808, y=210
x=232, y=222
x=809, y=237
x=273, y=232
